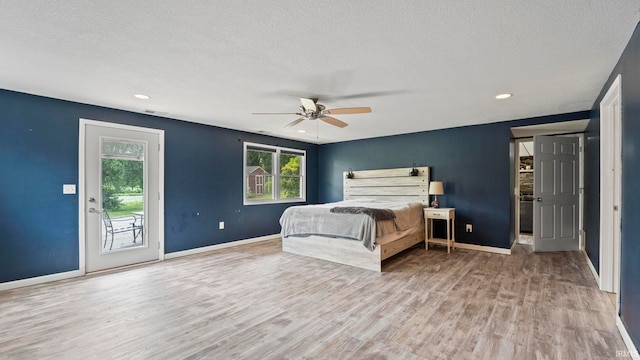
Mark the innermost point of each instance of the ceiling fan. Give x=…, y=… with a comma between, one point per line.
x=311, y=110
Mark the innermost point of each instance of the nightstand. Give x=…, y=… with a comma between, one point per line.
x=448, y=214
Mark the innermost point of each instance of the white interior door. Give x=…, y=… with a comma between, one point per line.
x=121, y=195
x=610, y=187
x=556, y=193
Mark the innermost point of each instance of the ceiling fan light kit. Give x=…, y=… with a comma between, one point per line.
x=311, y=110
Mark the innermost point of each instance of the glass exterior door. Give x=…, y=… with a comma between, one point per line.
x=123, y=194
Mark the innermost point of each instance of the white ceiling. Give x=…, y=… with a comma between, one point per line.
x=420, y=65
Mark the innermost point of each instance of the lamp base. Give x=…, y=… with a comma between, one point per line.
x=435, y=204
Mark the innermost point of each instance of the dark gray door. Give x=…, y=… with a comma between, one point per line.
x=555, y=189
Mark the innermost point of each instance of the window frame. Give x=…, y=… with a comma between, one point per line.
x=276, y=175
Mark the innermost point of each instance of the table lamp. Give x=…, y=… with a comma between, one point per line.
x=436, y=188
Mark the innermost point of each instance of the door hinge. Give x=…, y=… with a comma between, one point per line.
x=615, y=207
x=158, y=147
x=158, y=196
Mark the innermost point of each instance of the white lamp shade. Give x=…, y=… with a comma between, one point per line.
x=436, y=188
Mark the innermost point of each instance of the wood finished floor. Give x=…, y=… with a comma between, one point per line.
x=255, y=302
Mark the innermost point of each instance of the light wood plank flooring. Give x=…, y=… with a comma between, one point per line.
x=255, y=302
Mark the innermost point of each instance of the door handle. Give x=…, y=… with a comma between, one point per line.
x=539, y=199
x=94, y=211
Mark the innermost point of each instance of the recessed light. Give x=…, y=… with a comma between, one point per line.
x=302, y=131
x=141, y=96
x=503, y=96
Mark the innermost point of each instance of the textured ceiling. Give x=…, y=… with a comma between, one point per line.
x=420, y=65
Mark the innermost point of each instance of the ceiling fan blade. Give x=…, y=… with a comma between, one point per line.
x=353, y=110
x=309, y=104
x=333, y=121
x=363, y=95
x=270, y=113
x=294, y=122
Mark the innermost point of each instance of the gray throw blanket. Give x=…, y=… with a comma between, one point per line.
x=376, y=214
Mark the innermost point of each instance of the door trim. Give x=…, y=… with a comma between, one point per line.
x=610, y=250
x=81, y=185
x=574, y=127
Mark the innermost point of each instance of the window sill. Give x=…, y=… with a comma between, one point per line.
x=267, y=202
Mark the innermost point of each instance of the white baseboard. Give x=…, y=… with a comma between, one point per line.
x=593, y=270
x=75, y=273
x=220, y=246
x=631, y=352
x=40, y=280
x=490, y=249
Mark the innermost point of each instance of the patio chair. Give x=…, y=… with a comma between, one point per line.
x=120, y=225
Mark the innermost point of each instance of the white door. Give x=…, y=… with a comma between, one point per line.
x=556, y=193
x=610, y=187
x=121, y=195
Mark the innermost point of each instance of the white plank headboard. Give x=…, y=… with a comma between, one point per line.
x=388, y=184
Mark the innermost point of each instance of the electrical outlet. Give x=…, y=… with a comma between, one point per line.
x=469, y=228
x=221, y=225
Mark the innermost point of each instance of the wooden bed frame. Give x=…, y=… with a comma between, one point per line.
x=386, y=184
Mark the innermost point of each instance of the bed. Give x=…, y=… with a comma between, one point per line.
x=369, y=233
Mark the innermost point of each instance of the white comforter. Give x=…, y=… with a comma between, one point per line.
x=319, y=220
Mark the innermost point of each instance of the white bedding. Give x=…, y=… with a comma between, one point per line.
x=319, y=220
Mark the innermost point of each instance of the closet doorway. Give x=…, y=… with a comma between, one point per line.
x=525, y=191
x=525, y=173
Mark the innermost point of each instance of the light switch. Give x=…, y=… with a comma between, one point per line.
x=69, y=188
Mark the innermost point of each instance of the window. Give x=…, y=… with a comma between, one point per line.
x=273, y=174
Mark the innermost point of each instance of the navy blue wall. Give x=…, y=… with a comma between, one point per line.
x=203, y=174
x=629, y=67
x=474, y=162
x=592, y=190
